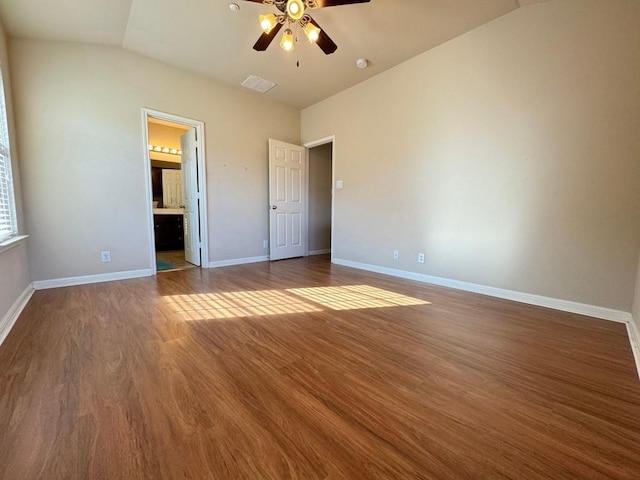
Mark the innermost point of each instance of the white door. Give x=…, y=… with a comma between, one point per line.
x=171, y=188
x=191, y=197
x=287, y=202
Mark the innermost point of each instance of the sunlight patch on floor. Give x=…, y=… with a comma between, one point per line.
x=353, y=297
x=207, y=306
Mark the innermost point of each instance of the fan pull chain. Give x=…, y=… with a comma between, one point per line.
x=297, y=49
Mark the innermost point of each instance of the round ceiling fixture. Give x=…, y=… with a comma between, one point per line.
x=234, y=7
x=295, y=9
x=362, y=63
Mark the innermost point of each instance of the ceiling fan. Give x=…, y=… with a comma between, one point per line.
x=294, y=12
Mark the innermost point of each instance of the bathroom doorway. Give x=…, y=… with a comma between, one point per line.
x=177, y=191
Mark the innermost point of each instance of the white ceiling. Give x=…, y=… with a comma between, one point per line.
x=204, y=36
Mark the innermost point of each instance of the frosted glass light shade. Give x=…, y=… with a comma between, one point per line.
x=295, y=9
x=312, y=32
x=267, y=22
x=287, y=40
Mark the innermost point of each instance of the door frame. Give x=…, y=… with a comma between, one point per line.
x=316, y=143
x=202, y=182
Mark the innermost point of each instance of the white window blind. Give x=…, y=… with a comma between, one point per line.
x=8, y=225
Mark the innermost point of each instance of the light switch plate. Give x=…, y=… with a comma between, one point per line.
x=338, y=184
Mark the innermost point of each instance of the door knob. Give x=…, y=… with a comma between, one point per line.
x=274, y=207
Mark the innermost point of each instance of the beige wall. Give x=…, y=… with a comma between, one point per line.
x=320, y=197
x=14, y=269
x=509, y=156
x=80, y=128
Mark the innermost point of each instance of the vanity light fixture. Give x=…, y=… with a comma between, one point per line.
x=167, y=150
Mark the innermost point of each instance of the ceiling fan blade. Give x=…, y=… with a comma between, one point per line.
x=335, y=3
x=324, y=41
x=266, y=38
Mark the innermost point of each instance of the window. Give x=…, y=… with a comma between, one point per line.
x=8, y=225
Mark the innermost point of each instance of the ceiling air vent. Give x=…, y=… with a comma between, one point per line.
x=258, y=84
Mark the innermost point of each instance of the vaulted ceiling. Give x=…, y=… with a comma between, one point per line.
x=206, y=37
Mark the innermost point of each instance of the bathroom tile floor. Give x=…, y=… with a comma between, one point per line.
x=175, y=257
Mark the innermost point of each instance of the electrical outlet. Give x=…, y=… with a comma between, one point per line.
x=396, y=254
x=421, y=258
x=265, y=244
x=105, y=256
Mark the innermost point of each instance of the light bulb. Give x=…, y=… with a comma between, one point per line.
x=295, y=9
x=287, y=40
x=267, y=22
x=312, y=32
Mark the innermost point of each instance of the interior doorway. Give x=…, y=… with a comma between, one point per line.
x=301, y=206
x=176, y=186
x=320, y=195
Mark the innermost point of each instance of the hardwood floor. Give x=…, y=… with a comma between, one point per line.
x=302, y=369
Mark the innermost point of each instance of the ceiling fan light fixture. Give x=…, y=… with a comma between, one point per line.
x=312, y=32
x=267, y=22
x=295, y=9
x=287, y=40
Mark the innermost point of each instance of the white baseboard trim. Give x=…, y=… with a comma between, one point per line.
x=87, y=279
x=319, y=252
x=9, y=320
x=238, y=261
x=634, y=338
x=538, y=300
x=563, y=305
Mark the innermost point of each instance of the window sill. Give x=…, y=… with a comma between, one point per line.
x=11, y=242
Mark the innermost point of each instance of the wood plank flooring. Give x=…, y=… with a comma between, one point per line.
x=304, y=370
